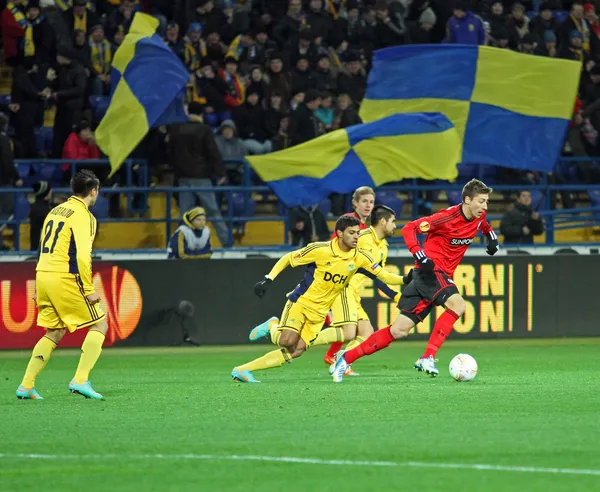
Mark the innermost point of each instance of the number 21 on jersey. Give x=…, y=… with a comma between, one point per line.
x=50, y=228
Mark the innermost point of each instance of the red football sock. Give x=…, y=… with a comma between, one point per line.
x=334, y=348
x=377, y=341
x=441, y=329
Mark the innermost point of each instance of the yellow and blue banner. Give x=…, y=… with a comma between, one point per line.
x=418, y=145
x=148, y=88
x=510, y=109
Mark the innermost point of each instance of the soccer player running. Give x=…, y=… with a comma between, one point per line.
x=449, y=234
x=363, y=201
x=65, y=294
x=330, y=267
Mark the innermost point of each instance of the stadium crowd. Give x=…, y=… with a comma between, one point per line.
x=267, y=74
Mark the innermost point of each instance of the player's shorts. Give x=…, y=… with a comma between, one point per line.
x=62, y=303
x=347, y=309
x=426, y=290
x=304, y=321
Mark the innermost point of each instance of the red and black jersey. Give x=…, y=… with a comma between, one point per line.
x=449, y=234
x=362, y=225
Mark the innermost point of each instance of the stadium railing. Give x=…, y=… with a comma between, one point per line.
x=554, y=219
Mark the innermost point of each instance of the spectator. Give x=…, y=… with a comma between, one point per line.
x=263, y=46
x=276, y=110
x=464, y=27
x=192, y=152
x=324, y=79
x=390, y=29
x=210, y=90
x=15, y=26
x=26, y=105
x=215, y=48
x=592, y=18
x=38, y=212
x=308, y=225
x=302, y=79
x=503, y=40
x=519, y=20
x=346, y=114
x=80, y=17
x=574, y=51
x=8, y=174
x=301, y=47
x=278, y=80
x=119, y=20
x=497, y=18
x=101, y=60
x=257, y=81
x=421, y=33
x=250, y=120
x=231, y=148
x=288, y=27
x=236, y=22
x=528, y=44
x=544, y=23
x=82, y=52
x=521, y=223
x=549, y=46
x=576, y=22
x=304, y=125
x=43, y=36
x=80, y=145
x=349, y=28
x=353, y=81
x=236, y=91
x=191, y=240
x=162, y=10
x=67, y=90
x=243, y=49
x=325, y=113
x=174, y=41
x=212, y=19
x=319, y=20
x=282, y=141
x=195, y=47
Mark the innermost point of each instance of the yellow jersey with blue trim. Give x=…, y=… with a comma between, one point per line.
x=329, y=270
x=66, y=241
x=376, y=248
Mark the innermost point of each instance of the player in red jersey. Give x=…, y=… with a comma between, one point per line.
x=363, y=201
x=449, y=234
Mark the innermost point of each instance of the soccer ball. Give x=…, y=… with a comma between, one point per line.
x=463, y=367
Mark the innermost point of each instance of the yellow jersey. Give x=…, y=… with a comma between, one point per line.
x=66, y=243
x=329, y=271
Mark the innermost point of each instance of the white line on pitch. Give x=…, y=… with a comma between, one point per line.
x=291, y=459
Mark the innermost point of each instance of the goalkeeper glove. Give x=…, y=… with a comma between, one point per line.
x=492, y=245
x=260, y=288
x=408, y=277
x=426, y=264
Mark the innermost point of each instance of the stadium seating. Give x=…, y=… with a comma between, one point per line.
x=243, y=206
x=392, y=200
x=22, y=206
x=325, y=207
x=100, y=209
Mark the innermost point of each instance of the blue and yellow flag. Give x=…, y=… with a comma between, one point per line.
x=510, y=109
x=148, y=82
x=419, y=145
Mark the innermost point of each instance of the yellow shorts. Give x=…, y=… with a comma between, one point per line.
x=62, y=304
x=347, y=309
x=304, y=321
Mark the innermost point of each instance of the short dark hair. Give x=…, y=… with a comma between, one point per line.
x=83, y=182
x=381, y=212
x=474, y=188
x=346, y=221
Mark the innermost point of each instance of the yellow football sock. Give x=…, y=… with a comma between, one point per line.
x=355, y=343
x=275, y=333
x=329, y=335
x=275, y=358
x=90, y=352
x=39, y=358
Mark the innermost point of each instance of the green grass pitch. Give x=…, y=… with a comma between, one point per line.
x=174, y=420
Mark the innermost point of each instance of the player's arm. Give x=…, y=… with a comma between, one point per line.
x=424, y=225
x=296, y=258
x=492, y=237
x=82, y=227
x=373, y=269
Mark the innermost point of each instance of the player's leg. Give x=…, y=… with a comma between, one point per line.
x=286, y=335
x=344, y=313
x=335, y=346
x=264, y=329
x=455, y=308
x=55, y=329
x=90, y=353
